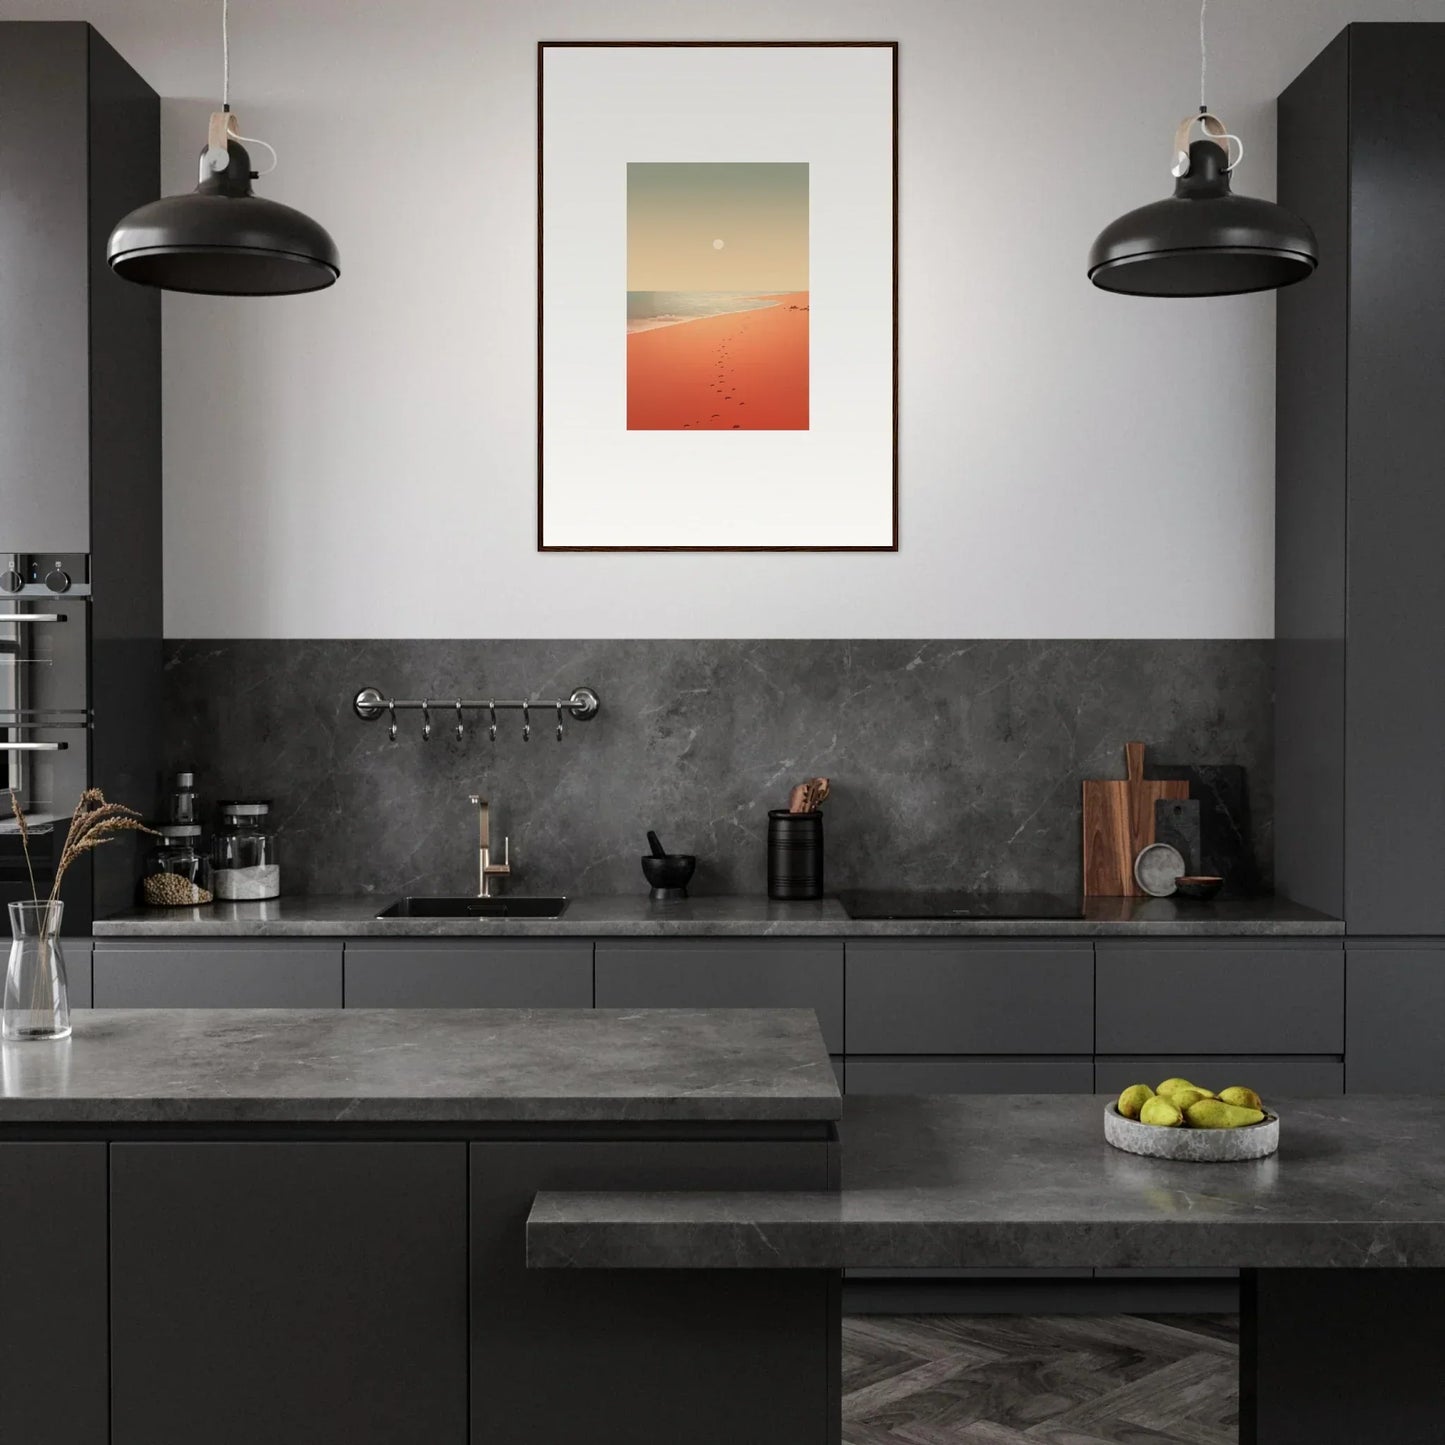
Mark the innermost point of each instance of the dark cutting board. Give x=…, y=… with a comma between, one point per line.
x=1176, y=822
x=1226, y=844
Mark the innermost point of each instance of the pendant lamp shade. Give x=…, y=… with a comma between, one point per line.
x=1203, y=240
x=224, y=240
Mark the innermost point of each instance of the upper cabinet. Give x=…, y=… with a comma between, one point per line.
x=1361, y=668
x=79, y=348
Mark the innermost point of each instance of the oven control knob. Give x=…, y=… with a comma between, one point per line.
x=11, y=580
x=58, y=580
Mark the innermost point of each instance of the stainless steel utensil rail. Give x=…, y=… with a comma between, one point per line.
x=370, y=703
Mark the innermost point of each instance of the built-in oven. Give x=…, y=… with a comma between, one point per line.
x=44, y=739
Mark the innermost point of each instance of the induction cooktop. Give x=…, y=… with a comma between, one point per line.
x=946, y=903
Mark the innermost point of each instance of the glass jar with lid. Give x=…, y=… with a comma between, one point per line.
x=178, y=868
x=244, y=862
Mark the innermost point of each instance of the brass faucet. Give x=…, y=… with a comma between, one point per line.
x=486, y=869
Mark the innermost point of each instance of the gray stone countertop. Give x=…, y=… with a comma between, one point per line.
x=422, y=1066
x=1027, y=1181
x=743, y=917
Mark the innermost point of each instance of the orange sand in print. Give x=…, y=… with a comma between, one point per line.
x=747, y=371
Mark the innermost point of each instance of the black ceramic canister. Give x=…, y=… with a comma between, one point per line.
x=795, y=854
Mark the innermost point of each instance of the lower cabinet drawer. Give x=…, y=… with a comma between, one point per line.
x=970, y=1076
x=1222, y=997
x=1396, y=1018
x=200, y=974
x=702, y=973
x=495, y=973
x=1281, y=1077
x=951, y=996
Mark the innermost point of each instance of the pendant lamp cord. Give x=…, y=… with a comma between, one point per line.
x=1203, y=56
x=218, y=161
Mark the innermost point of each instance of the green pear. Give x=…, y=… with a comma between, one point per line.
x=1215, y=1114
x=1133, y=1099
x=1160, y=1111
x=1245, y=1098
x=1183, y=1098
x=1169, y=1086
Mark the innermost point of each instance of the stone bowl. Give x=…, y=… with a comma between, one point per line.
x=1193, y=1146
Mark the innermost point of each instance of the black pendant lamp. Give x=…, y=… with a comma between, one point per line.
x=222, y=239
x=1203, y=240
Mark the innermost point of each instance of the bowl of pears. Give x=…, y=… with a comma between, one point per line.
x=1182, y=1120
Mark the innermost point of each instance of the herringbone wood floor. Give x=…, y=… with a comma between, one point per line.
x=1040, y=1380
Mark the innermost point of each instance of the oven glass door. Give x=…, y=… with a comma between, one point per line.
x=44, y=739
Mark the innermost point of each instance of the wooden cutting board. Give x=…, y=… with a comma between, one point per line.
x=1118, y=822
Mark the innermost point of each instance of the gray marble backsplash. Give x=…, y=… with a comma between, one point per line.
x=954, y=764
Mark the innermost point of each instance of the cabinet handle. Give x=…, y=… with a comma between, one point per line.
x=33, y=747
x=32, y=617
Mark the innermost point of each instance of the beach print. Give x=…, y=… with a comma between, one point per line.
x=717, y=296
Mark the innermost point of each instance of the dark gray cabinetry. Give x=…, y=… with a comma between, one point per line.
x=1395, y=1017
x=705, y=973
x=77, y=953
x=45, y=319
x=1225, y=997
x=1274, y=1075
x=948, y=996
x=970, y=1076
x=1361, y=680
x=457, y=973
x=77, y=345
x=53, y=1381
x=288, y=1292
x=200, y=973
x=619, y=1334
x=80, y=458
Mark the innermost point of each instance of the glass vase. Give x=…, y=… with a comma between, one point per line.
x=37, y=1002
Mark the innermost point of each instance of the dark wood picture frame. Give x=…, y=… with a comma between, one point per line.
x=545, y=45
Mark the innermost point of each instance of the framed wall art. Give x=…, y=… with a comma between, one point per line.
x=717, y=296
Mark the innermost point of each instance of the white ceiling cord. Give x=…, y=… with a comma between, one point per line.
x=1203, y=55
x=217, y=158
x=1214, y=129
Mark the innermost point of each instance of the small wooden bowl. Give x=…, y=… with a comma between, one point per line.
x=1201, y=886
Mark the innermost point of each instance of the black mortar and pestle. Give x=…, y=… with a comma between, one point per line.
x=667, y=872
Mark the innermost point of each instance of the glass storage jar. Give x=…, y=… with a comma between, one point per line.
x=178, y=869
x=244, y=864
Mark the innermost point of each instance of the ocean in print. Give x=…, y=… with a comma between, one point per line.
x=647, y=310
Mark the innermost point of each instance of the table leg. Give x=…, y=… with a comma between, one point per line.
x=1342, y=1357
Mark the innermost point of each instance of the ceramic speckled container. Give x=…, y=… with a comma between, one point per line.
x=1193, y=1146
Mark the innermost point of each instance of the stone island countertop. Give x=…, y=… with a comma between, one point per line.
x=422, y=1066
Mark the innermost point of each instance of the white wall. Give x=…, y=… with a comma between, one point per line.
x=361, y=463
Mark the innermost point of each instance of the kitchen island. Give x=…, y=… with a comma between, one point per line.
x=1341, y=1235
x=308, y=1225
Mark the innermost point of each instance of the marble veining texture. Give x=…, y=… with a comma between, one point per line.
x=1027, y=1181
x=954, y=764
x=422, y=1066
x=754, y=917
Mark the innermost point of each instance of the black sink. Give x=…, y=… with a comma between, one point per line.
x=475, y=908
